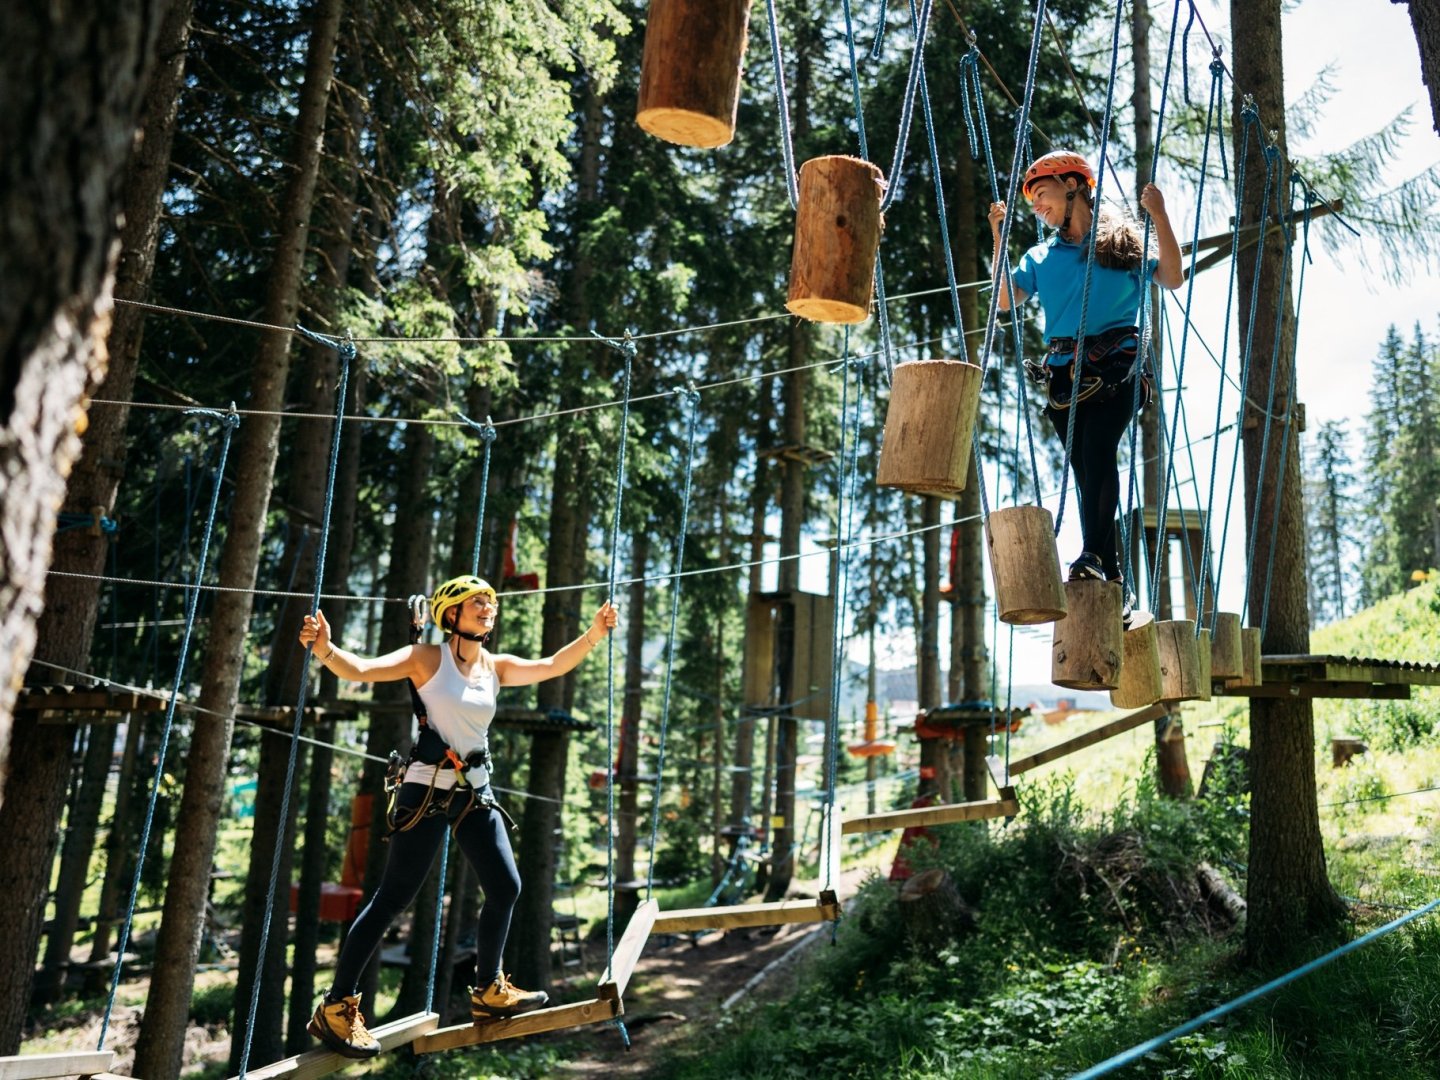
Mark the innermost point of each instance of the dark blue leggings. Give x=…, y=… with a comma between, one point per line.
x=485, y=843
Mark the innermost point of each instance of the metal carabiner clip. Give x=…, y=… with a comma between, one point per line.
x=419, y=610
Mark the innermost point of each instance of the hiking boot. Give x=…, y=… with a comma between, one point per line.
x=1087, y=567
x=339, y=1025
x=501, y=998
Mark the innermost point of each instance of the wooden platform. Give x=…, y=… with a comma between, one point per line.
x=322, y=1062
x=941, y=814
x=91, y=704
x=38, y=1066
x=1147, y=715
x=1325, y=676
x=740, y=916
x=607, y=1004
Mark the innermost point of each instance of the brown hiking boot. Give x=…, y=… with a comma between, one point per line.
x=500, y=998
x=340, y=1026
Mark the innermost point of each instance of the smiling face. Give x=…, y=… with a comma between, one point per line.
x=475, y=614
x=1047, y=198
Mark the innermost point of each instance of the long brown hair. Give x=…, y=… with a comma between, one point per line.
x=1118, y=245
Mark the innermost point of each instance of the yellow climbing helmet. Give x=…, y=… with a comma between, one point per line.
x=456, y=591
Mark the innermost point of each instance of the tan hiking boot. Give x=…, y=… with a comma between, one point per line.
x=501, y=998
x=340, y=1026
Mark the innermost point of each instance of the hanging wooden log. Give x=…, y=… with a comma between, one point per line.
x=1140, y=683
x=1252, y=673
x=1086, y=652
x=928, y=427
x=932, y=909
x=837, y=235
x=1225, y=659
x=1202, y=654
x=1179, y=660
x=1025, y=565
x=690, y=73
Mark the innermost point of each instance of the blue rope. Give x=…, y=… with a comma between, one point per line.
x=1217, y=72
x=1220, y=395
x=844, y=526
x=787, y=144
x=229, y=422
x=875, y=49
x=347, y=357
x=1271, y=151
x=67, y=521
x=1250, y=117
x=1079, y=366
x=486, y=434
x=626, y=348
x=690, y=397
x=1289, y=415
x=1135, y=1053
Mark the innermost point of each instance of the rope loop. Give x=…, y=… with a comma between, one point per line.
x=328, y=340
x=485, y=432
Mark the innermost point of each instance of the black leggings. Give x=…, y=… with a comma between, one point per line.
x=1099, y=426
x=483, y=839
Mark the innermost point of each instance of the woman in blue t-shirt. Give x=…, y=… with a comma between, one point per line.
x=1060, y=187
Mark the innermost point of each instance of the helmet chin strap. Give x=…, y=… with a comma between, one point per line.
x=1069, y=209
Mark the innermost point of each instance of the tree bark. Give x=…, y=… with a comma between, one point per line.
x=73, y=91
x=742, y=795
x=159, y=1048
x=1425, y=19
x=119, y=845
x=1290, y=897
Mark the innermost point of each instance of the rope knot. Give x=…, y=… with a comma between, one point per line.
x=1217, y=66
x=484, y=432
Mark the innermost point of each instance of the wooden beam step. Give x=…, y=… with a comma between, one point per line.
x=779, y=913
x=629, y=947
x=555, y=1018
x=36, y=1066
x=942, y=814
x=322, y=1062
x=1147, y=715
x=999, y=775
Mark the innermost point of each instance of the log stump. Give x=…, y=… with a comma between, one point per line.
x=690, y=74
x=1225, y=659
x=1252, y=674
x=928, y=427
x=1202, y=654
x=1140, y=683
x=1179, y=660
x=1345, y=747
x=1087, y=652
x=1025, y=565
x=837, y=235
x=932, y=909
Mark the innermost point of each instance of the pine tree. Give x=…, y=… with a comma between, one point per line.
x=1331, y=483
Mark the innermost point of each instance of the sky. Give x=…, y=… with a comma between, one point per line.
x=1345, y=310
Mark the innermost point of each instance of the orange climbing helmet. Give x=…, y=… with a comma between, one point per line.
x=1057, y=163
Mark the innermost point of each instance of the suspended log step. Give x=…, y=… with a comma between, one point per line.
x=321, y=1062
x=606, y=1005
x=942, y=814
x=690, y=70
x=1089, y=738
x=783, y=912
x=38, y=1066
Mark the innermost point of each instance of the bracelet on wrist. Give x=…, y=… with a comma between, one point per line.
x=326, y=658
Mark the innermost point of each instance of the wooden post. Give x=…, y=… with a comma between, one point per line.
x=1225, y=659
x=1343, y=748
x=929, y=426
x=1202, y=654
x=1179, y=660
x=1087, y=653
x=931, y=907
x=1253, y=674
x=1025, y=565
x=1140, y=682
x=837, y=235
x=690, y=74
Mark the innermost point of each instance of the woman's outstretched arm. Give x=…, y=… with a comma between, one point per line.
x=513, y=671
x=400, y=664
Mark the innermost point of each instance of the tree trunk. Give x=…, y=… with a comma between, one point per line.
x=161, y=1042
x=1425, y=18
x=792, y=520
x=73, y=92
x=628, y=752
x=1290, y=897
x=742, y=796
x=75, y=855
x=932, y=910
x=119, y=845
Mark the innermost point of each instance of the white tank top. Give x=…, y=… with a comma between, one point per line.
x=460, y=710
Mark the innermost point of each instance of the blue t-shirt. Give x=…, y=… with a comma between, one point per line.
x=1054, y=270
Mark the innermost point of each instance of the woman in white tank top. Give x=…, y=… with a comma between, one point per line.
x=446, y=785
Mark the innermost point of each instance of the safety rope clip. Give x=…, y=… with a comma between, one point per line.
x=419, y=610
